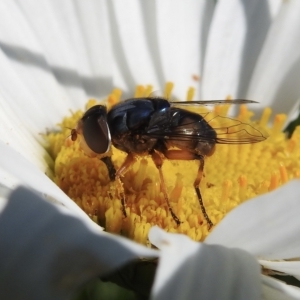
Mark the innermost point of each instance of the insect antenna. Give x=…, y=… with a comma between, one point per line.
x=73, y=134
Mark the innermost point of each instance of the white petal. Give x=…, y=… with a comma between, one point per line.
x=4, y=193
x=293, y=113
x=274, y=7
x=288, y=267
x=276, y=290
x=75, y=40
x=20, y=136
x=158, y=42
x=15, y=170
x=26, y=58
x=47, y=255
x=236, y=37
x=46, y=25
x=88, y=28
x=267, y=226
x=181, y=30
x=275, y=78
x=134, y=64
x=189, y=270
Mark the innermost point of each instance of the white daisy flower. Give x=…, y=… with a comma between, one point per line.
x=54, y=57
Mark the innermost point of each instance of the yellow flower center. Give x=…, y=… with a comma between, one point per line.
x=232, y=175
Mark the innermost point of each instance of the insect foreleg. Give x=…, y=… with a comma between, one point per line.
x=158, y=161
x=129, y=160
x=110, y=167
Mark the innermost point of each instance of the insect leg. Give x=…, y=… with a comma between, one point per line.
x=158, y=161
x=186, y=155
x=129, y=160
x=110, y=167
x=196, y=185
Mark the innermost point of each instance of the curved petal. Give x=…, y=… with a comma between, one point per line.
x=275, y=78
x=273, y=289
x=18, y=136
x=267, y=226
x=15, y=170
x=48, y=255
x=187, y=268
x=235, y=39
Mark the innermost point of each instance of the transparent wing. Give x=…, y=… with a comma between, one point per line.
x=222, y=130
x=233, y=131
x=211, y=102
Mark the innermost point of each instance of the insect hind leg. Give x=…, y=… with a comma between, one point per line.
x=158, y=161
x=196, y=186
x=187, y=155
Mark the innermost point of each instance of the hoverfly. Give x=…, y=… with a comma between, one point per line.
x=155, y=126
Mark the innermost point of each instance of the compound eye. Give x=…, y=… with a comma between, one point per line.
x=95, y=129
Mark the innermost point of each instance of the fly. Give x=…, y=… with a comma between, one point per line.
x=156, y=127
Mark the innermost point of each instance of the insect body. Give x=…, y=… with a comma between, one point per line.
x=152, y=126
